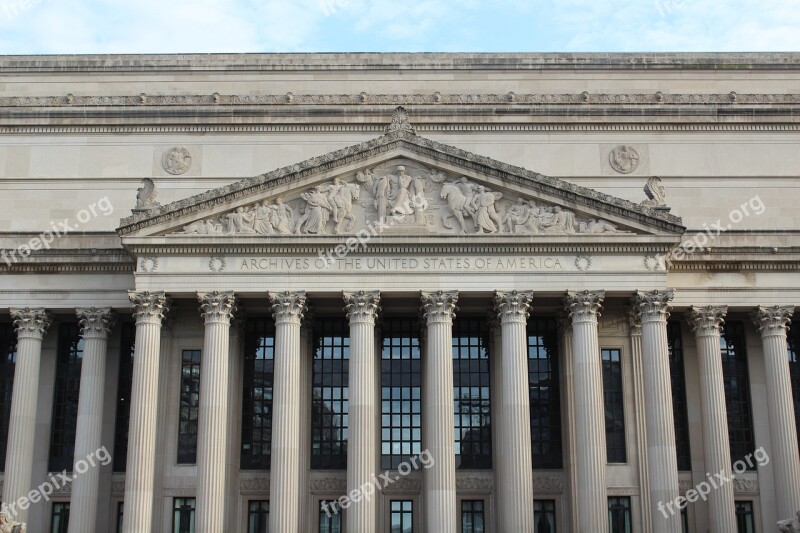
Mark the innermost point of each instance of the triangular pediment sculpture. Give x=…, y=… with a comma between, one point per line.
x=403, y=184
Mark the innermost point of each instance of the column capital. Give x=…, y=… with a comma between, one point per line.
x=288, y=307
x=149, y=307
x=439, y=306
x=96, y=322
x=708, y=320
x=584, y=306
x=362, y=306
x=513, y=306
x=653, y=306
x=634, y=321
x=563, y=323
x=31, y=322
x=772, y=320
x=217, y=307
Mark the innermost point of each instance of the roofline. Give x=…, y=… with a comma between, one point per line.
x=400, y=61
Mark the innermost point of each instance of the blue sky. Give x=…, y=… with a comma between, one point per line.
x=169, y=26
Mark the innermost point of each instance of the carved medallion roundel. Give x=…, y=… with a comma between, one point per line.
x=177, y=161
x=624, y=159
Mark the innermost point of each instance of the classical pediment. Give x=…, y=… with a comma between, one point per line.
x=400, y=184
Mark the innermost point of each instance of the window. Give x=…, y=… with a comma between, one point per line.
x=545, y=395
x=258, y=516
x=402, y=516
x=614, y=405
x=124, y=385
x=329, y=420
x=401, y=378
x=678, y=380
x=737, y=391
x=619, y=515
x=65, y=402
x=257, y=393
x=794, y=369
x=120, y=514
x=8, y=359
x=59, y=520
x=745, y=518
x=544, y=516
x=471, y=389
x=189, y=408
x=183, y=515
x=685, y=520
x=472, y=519
x=330, y=517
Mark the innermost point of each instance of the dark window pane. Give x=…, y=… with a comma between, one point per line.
x=678, y=380
x=737, y=391
x=330, y=394
x=472, y=516
x=544, y=516
x=65, y=402
x=189, y=407
x=124, y=385
x=471, y=391
x=545, y=393
x=401, y=408
x=619, y=515
x=183, y=515
x=258, y=516
x=8, y=359
x=330, y=517
x=614, y=405
x=257, y=393
x=402, y=516
x=59, y=519
x=745, y=518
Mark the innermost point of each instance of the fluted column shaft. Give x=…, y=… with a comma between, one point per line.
x=95, y=324
x=772, y=323
x=662, y=462
x=213, y=424
x=362, y=308
x=288, y=309
x=706, y=323
x=31, y=326
x=641, y=418
x=149, y=310
x=515, y=468
x=438, y=309
x=590, y=432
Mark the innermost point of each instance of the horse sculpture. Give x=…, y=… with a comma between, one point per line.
x=457, y=205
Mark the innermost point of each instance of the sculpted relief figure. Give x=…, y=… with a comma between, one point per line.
x=146, y=195
x=792, y=525
x=402, y=196
x=561, y=221
x=486, y=217
x=282, y=217
x=9, y=526
x=655, y=192
x=317, y=213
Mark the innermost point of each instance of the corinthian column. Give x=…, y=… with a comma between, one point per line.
x=31, y=325
x=288, y=309
x=149, y=310
x=706, y=323
x=362, y=309
x=635, y=325
x=515, y=462
x=662, y=462
x=213, y=425
x=772, y=323
x=95, y=325
x=590, y=432
x=438, y=309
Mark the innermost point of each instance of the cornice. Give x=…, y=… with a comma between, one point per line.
x=141, y=63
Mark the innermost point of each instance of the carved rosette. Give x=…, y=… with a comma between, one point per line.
x=513, y=306
x=653, y=306
x=96, y=322
x=361, y=306
x=584, y=306
x=707, y=321
x=773, y=320
x=439, y=307
x=288, y=307
x=217, y=306
x=31, y=323
x=149, y=307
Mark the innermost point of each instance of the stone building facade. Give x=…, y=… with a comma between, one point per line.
x=400, y=292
